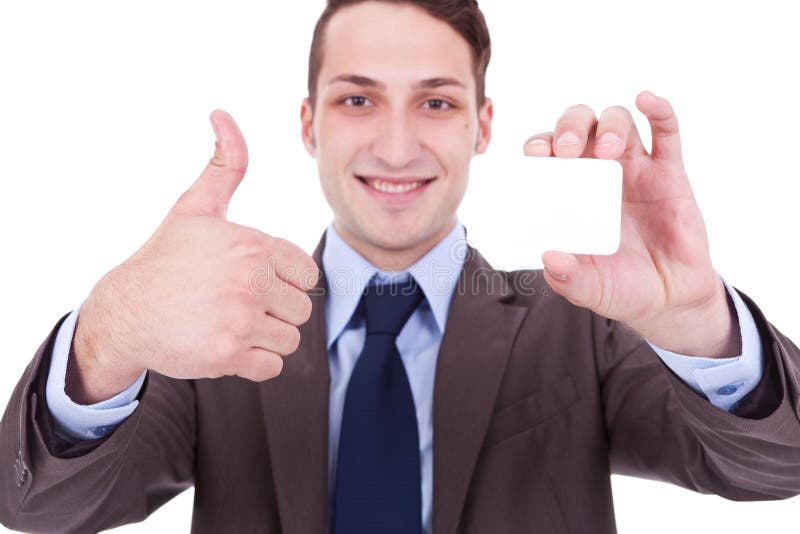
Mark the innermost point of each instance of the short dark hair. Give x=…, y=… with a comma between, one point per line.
x=463, y=16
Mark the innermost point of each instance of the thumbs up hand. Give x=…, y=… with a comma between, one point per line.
x=183, y=304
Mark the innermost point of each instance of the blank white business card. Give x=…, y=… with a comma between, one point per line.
x=518, y=207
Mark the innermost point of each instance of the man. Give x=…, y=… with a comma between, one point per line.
x=520, y=405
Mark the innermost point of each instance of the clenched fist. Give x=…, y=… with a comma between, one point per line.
x=202, y=298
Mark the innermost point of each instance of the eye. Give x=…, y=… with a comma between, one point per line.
x=356, y=101
x=439, y=104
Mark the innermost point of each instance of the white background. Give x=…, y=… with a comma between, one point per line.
x=103, y=123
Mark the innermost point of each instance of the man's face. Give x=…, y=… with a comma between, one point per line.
x=395, y=125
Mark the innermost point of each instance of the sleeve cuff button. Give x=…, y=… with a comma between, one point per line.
x=727, y=390
x=101, y=431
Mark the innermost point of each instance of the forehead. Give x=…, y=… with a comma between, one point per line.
x=393, y=42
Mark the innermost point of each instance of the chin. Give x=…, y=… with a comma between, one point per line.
x=400, y=235
x=394, y=239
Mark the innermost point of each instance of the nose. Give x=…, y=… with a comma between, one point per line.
x=397, y=143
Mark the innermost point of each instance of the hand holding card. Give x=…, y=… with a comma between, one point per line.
x=660, y=281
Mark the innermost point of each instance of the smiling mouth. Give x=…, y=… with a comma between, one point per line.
x=394, y=186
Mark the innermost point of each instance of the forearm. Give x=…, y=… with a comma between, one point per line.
x=660, y=428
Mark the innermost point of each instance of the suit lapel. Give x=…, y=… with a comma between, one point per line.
x=479, y=334
x=295, y=407
x=478, y=337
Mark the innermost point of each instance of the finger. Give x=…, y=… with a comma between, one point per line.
x=284, y=260
x=617, y=136
x=258, y=364
x=663, y=125
x=211, y=193
x=574, y=277
x=572, y=131
x=294, y=265
x=540, y=145
x=287, y=303
x=276, y=336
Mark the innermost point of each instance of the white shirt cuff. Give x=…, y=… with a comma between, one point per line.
x=75, y=422
x=724, y=381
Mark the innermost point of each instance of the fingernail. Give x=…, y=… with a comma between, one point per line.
x=608, y=138
x=537, y=147
x=568, y=139
x=557, y=276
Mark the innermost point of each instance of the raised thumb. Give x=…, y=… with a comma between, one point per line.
x=212, y=191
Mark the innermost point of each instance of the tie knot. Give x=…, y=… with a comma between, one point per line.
x=387, y=307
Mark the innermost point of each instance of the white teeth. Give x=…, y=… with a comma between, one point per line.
x=389, y=187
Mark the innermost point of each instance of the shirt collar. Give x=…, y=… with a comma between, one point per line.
x=347, y=273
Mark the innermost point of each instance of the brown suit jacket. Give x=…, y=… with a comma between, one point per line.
x=536, y=403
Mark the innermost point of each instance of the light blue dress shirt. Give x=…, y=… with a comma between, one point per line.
x=723, y=381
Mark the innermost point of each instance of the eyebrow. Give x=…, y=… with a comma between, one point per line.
x=364, y=81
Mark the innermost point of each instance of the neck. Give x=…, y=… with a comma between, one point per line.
x=393, y=259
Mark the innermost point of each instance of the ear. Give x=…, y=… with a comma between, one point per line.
x=307, y=127
x=485, y=114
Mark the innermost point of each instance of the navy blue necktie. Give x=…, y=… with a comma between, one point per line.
x=378, y=469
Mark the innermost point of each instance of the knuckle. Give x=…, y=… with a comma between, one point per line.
x=269, y=365
x=287, y=338
x=293, y=339
x=275, y=255
x=283, y=244
x=277, y=259
x=250, y=241
x=308, y=277
x=261, y=282
x=667, y=127
x=295, y=265
x=313, y=274
x=305, y=308
x=279, y=246
x=224, y=348
x=241, y=324
x=238, y=168
x=275, y=366
x=277, y=334
x=255, y=241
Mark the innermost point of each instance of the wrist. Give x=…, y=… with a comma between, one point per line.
x=97, y=368
x=708, y=330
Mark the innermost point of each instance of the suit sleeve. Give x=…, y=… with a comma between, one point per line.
x=661, y=429
x=53, y=485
